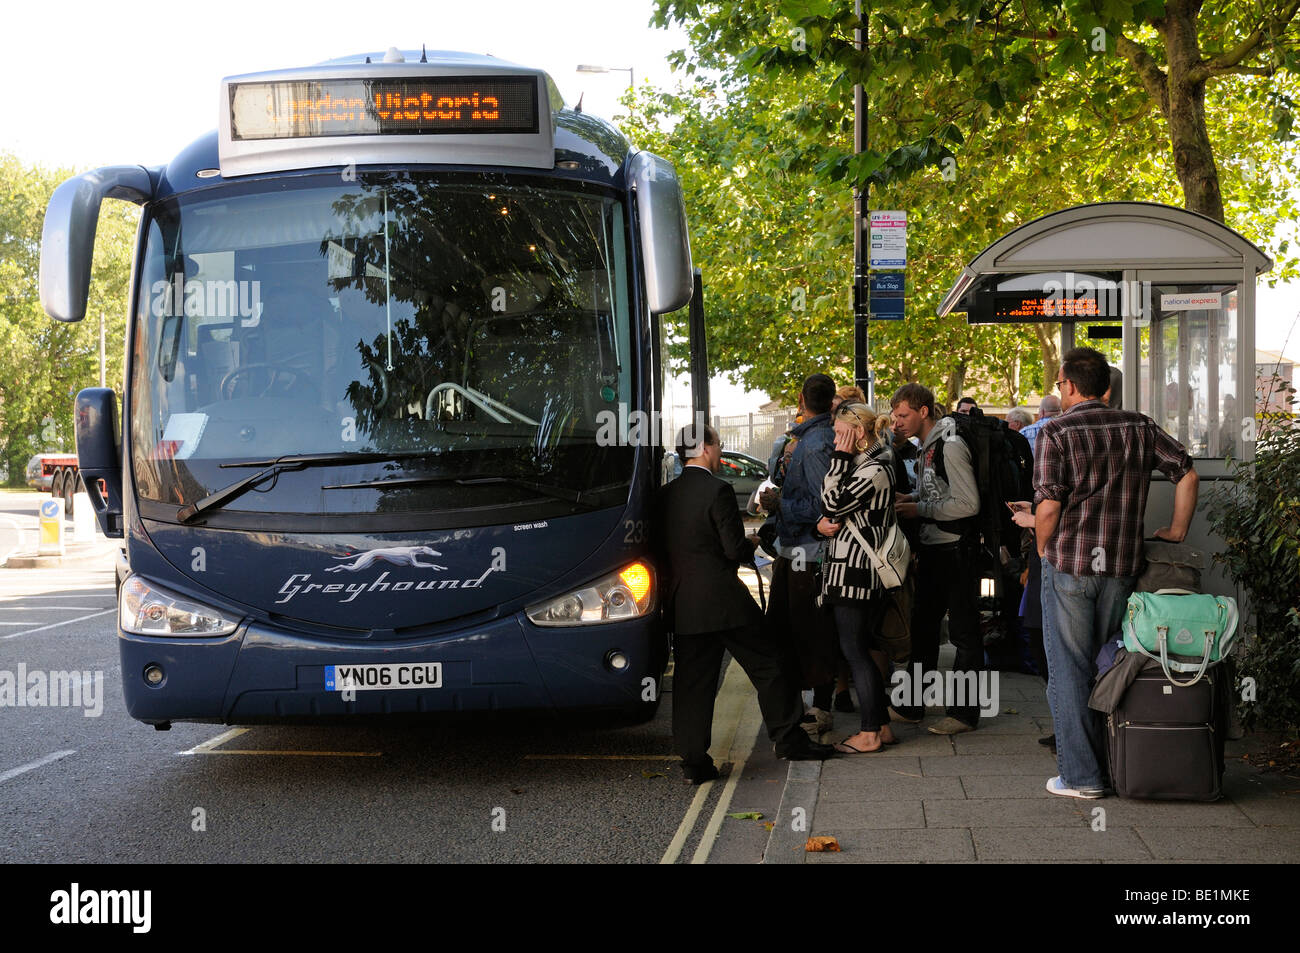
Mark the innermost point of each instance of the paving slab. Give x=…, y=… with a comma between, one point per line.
x=1009, y=688
x=837, y=816
x=1123, y=812
x=1012, y=812
x=911, y=744
x=1055, y=863
x=1253, y=845
x=901, y=788
x=977, y=742
x=1007, y=785
x=1061, y=844
x=1031, y=762
x=1001, y=725
x=869, y=765
x=1033, y=707
x=1153, y=862
x=863, y=846
x=1263, y=797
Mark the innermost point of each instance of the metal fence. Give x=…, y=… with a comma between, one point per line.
x=752, y=434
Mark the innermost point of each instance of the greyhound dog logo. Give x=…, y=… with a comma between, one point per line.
x=397, y=555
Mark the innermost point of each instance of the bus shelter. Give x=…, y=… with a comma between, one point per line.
x=1169, y=296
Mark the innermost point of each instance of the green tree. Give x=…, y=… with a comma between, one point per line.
x=1257, y=516
x=765, y=149
x=43, y=363
x=945, y=67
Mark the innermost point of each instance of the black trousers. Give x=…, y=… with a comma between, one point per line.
x=696, y=667
x=803, y=631
x=947, y=580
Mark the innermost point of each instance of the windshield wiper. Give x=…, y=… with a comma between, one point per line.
x=567, y=494
x=275, y=467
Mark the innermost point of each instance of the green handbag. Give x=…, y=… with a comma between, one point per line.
x=1185, y=631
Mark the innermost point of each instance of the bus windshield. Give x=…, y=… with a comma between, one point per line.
x=469, y=325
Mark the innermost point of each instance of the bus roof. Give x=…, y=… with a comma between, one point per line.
x=567, y=143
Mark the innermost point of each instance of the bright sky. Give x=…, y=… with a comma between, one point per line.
x=94, y=83
x=69, y=66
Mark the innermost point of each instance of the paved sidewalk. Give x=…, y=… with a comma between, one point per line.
x=980, y=797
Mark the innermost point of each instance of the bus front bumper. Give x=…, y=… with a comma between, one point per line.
x=262, y=674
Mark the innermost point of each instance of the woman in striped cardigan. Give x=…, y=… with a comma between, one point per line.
x=857, y=507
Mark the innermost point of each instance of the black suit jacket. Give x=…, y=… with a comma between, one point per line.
x=700, y=542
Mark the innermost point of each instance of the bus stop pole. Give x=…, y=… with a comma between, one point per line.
x=861, y=203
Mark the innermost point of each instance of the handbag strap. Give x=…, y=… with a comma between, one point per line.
x=876, y=561
x=1162, y=633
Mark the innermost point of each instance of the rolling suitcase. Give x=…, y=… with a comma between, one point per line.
x=1165, y=741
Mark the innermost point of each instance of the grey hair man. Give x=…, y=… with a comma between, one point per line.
x=1018, y=418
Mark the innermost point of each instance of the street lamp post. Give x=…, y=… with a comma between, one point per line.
x=590, y=68
x=862, y=375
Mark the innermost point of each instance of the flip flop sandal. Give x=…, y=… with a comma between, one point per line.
x=845, y=748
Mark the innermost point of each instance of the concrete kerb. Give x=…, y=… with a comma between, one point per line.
x=76, y=554
x=785, y=844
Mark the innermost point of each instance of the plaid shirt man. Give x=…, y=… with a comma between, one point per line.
x=1097, y=462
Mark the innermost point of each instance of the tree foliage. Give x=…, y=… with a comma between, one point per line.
x=1258, y=518
x=763, y=138
x=43, y=363
x=946, y=68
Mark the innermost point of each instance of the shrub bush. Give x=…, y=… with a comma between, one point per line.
x=1259, y=520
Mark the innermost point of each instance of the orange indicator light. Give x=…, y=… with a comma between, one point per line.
x=637, y=579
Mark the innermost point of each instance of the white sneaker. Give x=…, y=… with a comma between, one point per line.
x=1057, y=786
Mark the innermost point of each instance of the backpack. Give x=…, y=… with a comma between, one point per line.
x=1004, y=473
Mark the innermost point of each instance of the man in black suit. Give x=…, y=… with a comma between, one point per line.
x=701, y=541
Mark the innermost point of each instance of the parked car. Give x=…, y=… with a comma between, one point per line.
x=742, y=471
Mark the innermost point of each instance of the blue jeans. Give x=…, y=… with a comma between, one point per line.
x=1079, y=614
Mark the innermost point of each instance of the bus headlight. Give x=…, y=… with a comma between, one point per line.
x=625, y=594
x=146, y=609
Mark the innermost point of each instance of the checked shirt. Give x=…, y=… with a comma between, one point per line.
x=1097, y=463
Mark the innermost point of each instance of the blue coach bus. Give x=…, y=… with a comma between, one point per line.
x=390, y=328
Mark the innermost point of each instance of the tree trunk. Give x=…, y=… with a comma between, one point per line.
x=956, y=381
x=1186, y=77
x=1051, y=354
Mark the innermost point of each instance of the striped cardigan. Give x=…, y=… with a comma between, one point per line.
x=858, y=490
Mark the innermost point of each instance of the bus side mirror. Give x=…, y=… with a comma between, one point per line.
x=98, y=457
x=68, y=239
x=665, y=244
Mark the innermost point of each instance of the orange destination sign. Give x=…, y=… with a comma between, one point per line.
x=308, y=109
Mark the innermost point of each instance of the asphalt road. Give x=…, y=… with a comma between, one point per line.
x=89, y=784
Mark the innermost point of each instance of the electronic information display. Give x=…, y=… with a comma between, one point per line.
x=428, y=105
x=1001, y=307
